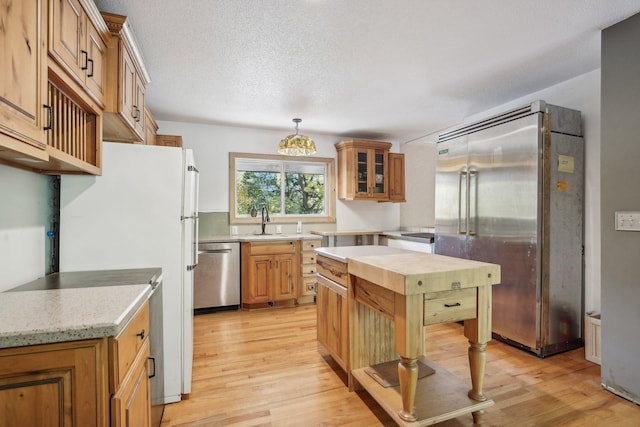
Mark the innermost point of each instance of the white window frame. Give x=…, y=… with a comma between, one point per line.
x=330, y=190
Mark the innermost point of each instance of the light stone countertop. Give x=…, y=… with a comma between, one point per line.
x=255, y=237
x=57, y=315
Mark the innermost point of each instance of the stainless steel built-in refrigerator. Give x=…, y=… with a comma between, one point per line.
x=509, y=190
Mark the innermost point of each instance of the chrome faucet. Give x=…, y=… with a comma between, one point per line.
x=265, y=218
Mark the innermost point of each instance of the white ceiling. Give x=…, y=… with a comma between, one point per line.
x=383, y=69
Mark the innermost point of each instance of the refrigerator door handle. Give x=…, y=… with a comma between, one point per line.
x=472, y=202
x=463, y=184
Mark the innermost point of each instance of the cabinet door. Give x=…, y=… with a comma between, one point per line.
x=128, y=92
x=67, y=31
x=396, y=177
x=333, y=320
x=363, y=172
x=131, y=404
x=53, y=385
x=24, y=75
x=259, y=279
x=96, y=64
x=378, y=178
x=284, y=275
x=138, y=107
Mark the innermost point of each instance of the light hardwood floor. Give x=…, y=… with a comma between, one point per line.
x=265, y=368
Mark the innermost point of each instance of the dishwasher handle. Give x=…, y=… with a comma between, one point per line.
x=215, y=251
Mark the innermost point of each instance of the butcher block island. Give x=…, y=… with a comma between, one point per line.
x=373, y=305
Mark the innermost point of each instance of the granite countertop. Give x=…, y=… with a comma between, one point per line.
x=73, y=306
x=347, y=233
x=255, y=237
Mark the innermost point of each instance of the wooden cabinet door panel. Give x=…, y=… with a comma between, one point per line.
x=127, y=93
x=138, y=107
x=67, y=32
x=96, y=73
x=396, y=177
x=260, y=279
x=131, y=404
x=284, y=274
x=53, y=385
x=23, y=72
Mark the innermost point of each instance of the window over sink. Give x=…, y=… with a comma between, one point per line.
x=291, y=188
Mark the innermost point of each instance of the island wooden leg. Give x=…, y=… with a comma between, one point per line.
x=477, y=363
x=408, y=376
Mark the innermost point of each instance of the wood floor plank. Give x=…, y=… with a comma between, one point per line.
x=265, y=368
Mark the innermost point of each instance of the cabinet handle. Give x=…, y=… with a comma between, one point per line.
x=138, y=115
x=140, y=334
x=50, y=125
x=86, y=59
x=452, y=305
x=153, y=363
x=90, y=61
x=136, y=112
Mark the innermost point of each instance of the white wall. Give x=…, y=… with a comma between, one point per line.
x=211, y=145
x=580, y=93
x=24, y=211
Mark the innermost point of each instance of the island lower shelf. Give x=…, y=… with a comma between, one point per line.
x=439, y=397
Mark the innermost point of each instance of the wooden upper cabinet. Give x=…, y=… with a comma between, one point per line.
x=150, y=128
x=127, y=79
x=77, y=46
x=23, y=85
x=50, y=120
x=363, y=170
x=396, y=177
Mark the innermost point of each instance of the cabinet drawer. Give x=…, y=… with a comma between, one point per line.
x=309, y=245
x=309, y=269
x=449, y=306
x=308, y=257
x=125, y=346
x=269, y=248
x=334, y=270
x=308, y=286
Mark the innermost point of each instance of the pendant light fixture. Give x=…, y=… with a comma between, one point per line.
x=297, y=145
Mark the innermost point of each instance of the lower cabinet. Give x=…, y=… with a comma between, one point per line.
x=62, y=384
x=269, y=271
x=333, y=320
x=70, y=383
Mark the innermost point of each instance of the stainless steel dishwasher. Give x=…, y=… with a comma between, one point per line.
x=217, y=277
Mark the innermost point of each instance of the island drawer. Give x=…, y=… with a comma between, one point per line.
x=124, y=347
x=449, y=306
x=332, y=269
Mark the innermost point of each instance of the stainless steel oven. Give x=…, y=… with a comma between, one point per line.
x=217, y=278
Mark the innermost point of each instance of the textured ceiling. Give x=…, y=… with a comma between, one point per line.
x=385, y=69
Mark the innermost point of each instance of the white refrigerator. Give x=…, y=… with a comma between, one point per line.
x=141, y=213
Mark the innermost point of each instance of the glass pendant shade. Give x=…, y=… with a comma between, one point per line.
x=297, y=145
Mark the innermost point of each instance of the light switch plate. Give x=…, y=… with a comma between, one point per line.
x=278, y=229
x=628, y=221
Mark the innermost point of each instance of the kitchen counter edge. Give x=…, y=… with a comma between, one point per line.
x=45, y=316
x=255, y=238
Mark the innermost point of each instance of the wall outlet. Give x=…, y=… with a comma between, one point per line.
x=234, y=230
x=278, y=229
x=628, y=221
x=299, y=227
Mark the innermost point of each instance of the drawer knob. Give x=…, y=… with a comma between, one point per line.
x=452, y=305
x=140, y=334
